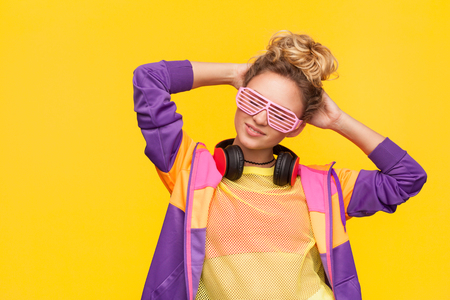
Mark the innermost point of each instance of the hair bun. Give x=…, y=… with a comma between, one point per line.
x=313, y=59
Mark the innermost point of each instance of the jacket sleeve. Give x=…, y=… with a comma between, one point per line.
x=160, y=124
x=399, y=178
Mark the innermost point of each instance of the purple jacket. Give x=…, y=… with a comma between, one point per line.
x=189, y=172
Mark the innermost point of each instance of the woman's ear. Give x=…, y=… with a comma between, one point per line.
x=297, y=131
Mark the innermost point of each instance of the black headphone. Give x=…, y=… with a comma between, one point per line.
x=229, y=159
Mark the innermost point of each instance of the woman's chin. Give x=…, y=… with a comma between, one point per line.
x=252, y=144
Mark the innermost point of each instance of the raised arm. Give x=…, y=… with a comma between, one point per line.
x=168, y=146
x=160, y=124
x=206, y=73
x=367, y=192
x=330, y=116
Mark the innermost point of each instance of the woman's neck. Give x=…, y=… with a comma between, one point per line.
x=257, y=157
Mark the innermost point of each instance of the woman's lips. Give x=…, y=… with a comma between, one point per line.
x=252, y=131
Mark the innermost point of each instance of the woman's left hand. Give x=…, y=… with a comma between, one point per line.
x=328, y=116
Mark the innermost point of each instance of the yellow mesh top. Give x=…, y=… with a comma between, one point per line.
x=259, y=242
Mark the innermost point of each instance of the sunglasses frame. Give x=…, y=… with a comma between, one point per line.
x=245, y=94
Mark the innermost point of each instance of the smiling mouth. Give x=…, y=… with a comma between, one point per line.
x=254, y=130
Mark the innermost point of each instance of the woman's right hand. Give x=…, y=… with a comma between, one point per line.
x=239, y=72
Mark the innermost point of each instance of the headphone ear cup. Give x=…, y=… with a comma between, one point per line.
x=285, y=170
x=235, y=162
x=220, y=157
x=294, y=170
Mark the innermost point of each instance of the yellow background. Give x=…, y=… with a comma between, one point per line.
x=81, y=206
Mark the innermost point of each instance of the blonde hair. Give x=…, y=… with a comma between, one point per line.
x=299, y=58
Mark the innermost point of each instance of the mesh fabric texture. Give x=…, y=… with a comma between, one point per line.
x=259, y=242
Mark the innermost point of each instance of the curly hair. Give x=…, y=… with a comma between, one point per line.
x=299, y=58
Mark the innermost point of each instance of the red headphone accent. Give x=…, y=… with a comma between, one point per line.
x=229, y=160
x=221, y=160
x=295, y=172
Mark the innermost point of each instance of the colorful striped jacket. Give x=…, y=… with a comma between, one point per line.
x=188, y=171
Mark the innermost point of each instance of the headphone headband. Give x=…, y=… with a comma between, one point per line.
x=229, y=160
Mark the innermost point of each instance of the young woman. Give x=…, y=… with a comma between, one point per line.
x=244, y=224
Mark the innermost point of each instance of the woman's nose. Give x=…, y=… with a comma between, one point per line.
x=261, y=118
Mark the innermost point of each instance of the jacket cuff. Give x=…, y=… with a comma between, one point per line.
x=386, y=155
x=181, y=75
